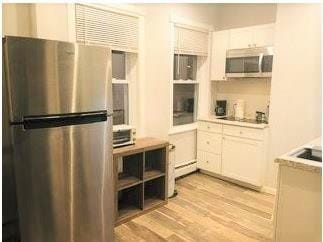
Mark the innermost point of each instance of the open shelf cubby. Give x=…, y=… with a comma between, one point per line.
x=130, y=201
x=140, y=173
x=130, y=170
x=154, y=164
x=154, y=192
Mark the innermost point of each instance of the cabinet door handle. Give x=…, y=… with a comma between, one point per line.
x=208, y=142
x=207, y=161
x=249, y=45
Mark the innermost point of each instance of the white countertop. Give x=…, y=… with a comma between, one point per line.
x=289, y=160
x=216, y=119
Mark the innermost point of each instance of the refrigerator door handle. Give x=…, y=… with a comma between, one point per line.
x=50, y=121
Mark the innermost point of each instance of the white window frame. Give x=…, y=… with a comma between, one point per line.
x=130, y=91
x=202, y=76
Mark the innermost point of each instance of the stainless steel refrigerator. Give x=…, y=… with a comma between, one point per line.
x=59, y=102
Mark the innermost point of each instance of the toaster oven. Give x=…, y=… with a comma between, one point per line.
x=123, y=135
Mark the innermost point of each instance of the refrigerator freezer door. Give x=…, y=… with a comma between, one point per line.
x=65, y=183
x=53, y=77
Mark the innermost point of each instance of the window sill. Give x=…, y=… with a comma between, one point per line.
x=119, y=81
x=185, y=82
x=182, y=128
x=121, y=127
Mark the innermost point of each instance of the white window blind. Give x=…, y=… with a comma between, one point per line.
x=190, y=41
x=103, y=27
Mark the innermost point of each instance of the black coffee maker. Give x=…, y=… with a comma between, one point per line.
x=221, y=108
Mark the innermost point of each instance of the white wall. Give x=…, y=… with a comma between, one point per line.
x=241, y=15
x=255, y=92
x=203, y=13
x=44, y=20
x=51, y=21
x=295, y=111
x=156, y=97
x=17, y=19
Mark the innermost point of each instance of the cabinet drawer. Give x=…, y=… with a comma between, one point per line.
x=208, y=161
x=257, y=134
x=209, y=142
x=210, y=127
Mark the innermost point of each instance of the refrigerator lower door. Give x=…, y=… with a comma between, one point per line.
x=64, y=179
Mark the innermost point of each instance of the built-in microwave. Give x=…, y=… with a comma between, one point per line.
x=249, y=62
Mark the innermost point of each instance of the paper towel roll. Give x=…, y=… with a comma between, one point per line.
x=238, y=107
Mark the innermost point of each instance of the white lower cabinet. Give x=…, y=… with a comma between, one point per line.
x=242, y=159
x=209, y=149
x=209, y=142
x=209, y=161
x=234, y=152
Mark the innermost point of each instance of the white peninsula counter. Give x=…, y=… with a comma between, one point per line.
x=298, y=205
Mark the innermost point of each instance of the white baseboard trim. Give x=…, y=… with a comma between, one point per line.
x=263, y=189
x=269, y=190
x=235, y=181
x=184, y=170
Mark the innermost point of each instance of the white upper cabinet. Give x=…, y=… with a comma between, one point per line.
x=263, y=35
x=220, y=44
x=255, y=36
x=241, y=38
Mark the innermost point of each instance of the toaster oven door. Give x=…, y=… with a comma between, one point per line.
x=121, y=137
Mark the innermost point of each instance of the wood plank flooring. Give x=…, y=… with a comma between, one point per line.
x=206, y=209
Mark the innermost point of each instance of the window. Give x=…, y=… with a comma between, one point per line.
x=120, y=88
x=185, y=89
x=185, y=67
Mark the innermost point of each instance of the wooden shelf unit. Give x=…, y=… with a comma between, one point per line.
x=141, y=176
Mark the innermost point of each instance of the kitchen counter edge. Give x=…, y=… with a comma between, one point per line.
x=236, y=123
x=299, y=163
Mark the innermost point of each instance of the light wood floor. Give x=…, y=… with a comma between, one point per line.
x=206, y=209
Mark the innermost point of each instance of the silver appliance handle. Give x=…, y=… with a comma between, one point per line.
x=261, y=57
x=59, y=120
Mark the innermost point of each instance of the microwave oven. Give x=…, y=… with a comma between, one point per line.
x=249, y=62
x=123, y=135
